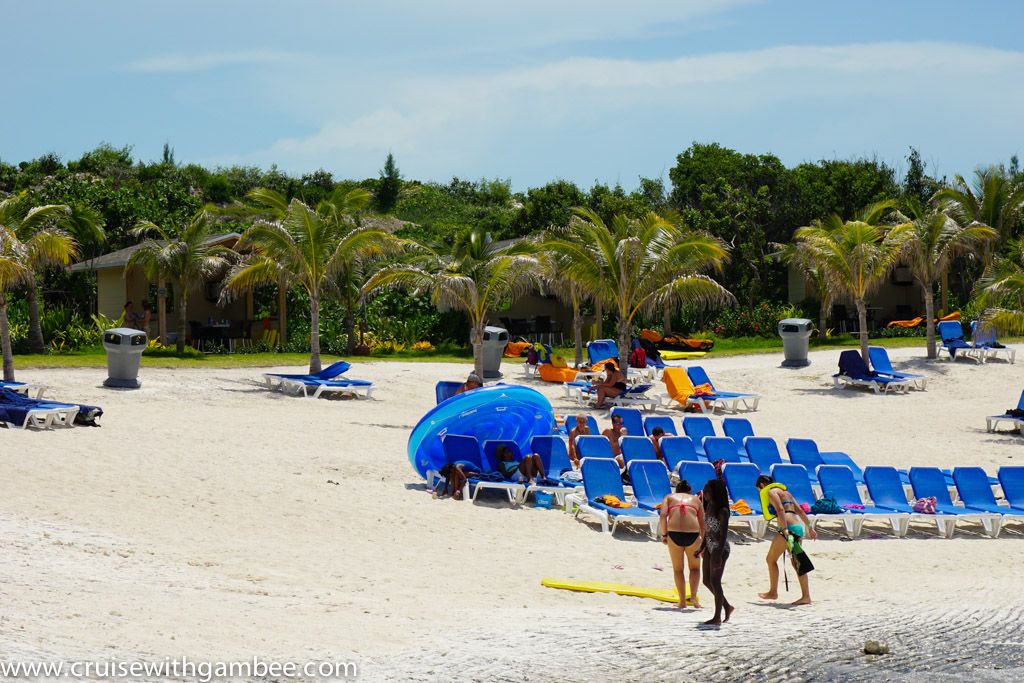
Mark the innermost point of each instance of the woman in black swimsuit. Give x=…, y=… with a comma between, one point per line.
x=682, y=524
x=614, y=384
x=715, y=548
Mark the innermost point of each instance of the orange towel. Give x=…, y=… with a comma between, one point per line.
x=741, y=507
x=613, y=502
x=515, y=349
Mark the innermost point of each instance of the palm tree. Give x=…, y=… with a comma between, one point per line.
x=928, y=243
x=853, y=256
x=568, y=291
x=1001, y=290
x=17, y=257
x=799, y=255
x=474, y=276
x=994, y=199
x=18, y=214
x=187, y=255
x=638, y=264
x=310, y=247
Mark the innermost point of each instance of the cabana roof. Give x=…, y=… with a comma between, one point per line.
x=119, y=258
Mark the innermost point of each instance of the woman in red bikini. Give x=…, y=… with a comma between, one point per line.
x=682, y=527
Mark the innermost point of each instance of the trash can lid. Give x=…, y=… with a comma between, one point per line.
x=796, y=321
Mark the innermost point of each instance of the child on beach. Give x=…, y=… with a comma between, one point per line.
x=581, y=429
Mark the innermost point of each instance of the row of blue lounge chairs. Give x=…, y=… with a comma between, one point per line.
x=853, y=371
x=983, y=344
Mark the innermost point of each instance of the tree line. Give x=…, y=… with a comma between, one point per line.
x=720, y=235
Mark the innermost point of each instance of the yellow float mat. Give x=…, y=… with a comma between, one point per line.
x=663, y=594
x=681, y=355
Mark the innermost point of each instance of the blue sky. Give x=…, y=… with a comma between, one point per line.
x=530, y=91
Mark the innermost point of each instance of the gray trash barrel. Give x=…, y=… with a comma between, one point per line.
x=495, y=340
x=124, y=352
x=795, y=333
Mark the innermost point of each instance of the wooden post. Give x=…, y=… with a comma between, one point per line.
x=161, y=310
x=282, y=312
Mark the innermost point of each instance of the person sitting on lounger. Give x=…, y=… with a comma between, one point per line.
x=614, y=384
x=472, y=382
x=793, y=522
x=657, y=434
x=455, y=477
x=529, y=469
x=613, y=434
x=682, y=526
x=581, y=429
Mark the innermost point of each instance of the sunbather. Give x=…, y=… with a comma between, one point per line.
x=714, y=551
x=581, y=429
x=472, y=382
x=792, y=521
x=682, y=526
x=455, y=477
x=613, y=434
x=657, y=434
x=614, y=384
x=528, y=469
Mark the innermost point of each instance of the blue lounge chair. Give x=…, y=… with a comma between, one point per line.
x=885, y=486
x=853, y=371
x=722, y=448
x=635, y=395
x=697, y=428
x=601, y=350
x=840, y=458
x=594, y=446
x=992, y=421
x=445, y=390
x=796, y=481
x=983, y=337
x=554, y=456
x=677, y=450
x=601, y=477
x=805, y=452
x=667, y=424
x=323, y=382
x=570, y=424
x=18, y=410
x=1011, y=480
x=698, y=376
x=636, y=448
x=696, y=474
x=737, y=429
x=837, y=482
x=883, y=366
x=465, y=450
x=930, y=481
x=951, y=332
x=976, y=492
x=632, y=420
x=30, y=390
x=650, y=483
x=763, y=452
x=741, y=480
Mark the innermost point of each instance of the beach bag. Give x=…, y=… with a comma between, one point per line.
x=826, y=506
x=926, y=505
x=638, y=358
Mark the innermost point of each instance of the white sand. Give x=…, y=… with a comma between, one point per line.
x=212, y=519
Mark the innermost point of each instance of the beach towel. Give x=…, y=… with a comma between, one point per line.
x=926, y=505
x=826, y=506
x=741, y=507
x=613, y=502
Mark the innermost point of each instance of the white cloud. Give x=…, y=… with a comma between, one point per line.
x=182, y=63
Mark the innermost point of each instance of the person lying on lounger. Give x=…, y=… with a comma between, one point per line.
x=614, y=384
x=581, y=429
x=455, y=477
x=529, y=469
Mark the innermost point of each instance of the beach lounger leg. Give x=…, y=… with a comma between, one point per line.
x=992, y=525
x=900, y=525
x=945, y=526
x=758, y=527
x=852, y=525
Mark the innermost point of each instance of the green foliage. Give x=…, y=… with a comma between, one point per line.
x=760, y=321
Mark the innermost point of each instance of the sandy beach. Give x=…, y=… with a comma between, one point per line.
x=213, y=519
